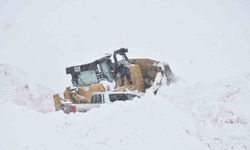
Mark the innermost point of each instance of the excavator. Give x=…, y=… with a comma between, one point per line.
x=103, y=75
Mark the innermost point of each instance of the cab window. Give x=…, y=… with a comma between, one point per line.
x=96, y=98
x=87, y=78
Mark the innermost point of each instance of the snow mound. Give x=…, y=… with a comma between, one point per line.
x=148, y=123
x=16, y=88
x=221, y=110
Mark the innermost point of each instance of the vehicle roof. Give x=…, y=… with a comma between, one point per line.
x=118, y=92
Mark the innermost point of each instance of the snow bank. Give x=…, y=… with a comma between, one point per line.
x=220, y=110
x=148, y=123
x=16, y=88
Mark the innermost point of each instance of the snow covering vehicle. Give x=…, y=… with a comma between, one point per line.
x=103, y=75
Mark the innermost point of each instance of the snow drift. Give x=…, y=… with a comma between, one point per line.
x=16, y=88
x=132, y=125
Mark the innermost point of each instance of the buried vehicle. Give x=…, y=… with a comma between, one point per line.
x=97, y=99
x=104, y=75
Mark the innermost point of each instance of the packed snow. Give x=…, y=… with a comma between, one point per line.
x=206, y=44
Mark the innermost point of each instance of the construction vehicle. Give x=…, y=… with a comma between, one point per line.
x=103, y=75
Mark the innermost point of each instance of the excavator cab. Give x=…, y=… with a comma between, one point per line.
x=87, y=78
x=92, y=73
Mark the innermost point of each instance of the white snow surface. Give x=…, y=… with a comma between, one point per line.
x=206, y=44
x=16, y=87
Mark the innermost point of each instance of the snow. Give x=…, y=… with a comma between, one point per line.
x=220, y=110
x=79, y=131
x=206, y=44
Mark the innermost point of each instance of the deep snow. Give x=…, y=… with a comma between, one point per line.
x=205, y=42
